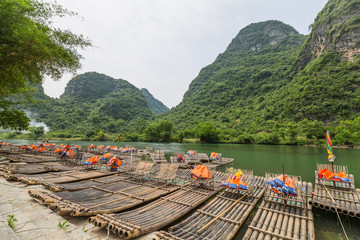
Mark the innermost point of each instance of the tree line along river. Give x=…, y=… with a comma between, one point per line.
x=298, y=160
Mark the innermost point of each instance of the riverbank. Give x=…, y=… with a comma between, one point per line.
x=37, y=221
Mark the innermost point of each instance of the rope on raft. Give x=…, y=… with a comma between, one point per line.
x=342, y=226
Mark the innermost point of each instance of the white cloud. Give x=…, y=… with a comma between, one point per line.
x=162, y=45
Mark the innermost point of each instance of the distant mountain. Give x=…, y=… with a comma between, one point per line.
x=327, y=86
x=92, y=100
x=236, y=87
x=272, y=74
x=155, y=105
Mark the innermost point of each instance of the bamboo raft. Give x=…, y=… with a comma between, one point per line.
x=200, y=158
x=283, y=217
x=222, y=217
x=107, y=198
x=158, y=156
x=155, y=215
x=58, y=177
x=31, y=158
x=345, y=195
x=217, y=176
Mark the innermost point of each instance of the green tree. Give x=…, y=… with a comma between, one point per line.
x=159, y=132
x=36, y=132
x=100, y=136
x=207, y=132
x=30, y=48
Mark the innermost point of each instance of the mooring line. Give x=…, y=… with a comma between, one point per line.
x=335, y=209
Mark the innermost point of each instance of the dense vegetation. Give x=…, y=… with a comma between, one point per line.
x=155, y=105
x=272, y=85
x=30, y=47
x=94, y=102
x=235, y=92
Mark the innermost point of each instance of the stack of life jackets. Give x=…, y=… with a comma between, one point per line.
x=235, y=181
x=91, y=146
x=114, y=148
x=214, y=156
x=191, y=153
x=114, y=163
x=106, y=156
x=180, y=158
x=325, y=173
x=101, y=147
x=278, y=185
x=92, y=161
x=200, y=172
x=127, y=149
x=41, y=150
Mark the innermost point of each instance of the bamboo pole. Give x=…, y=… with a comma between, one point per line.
x=220, y=215
x=119, y=199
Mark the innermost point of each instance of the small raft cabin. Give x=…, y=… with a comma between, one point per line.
x=158, y=156
x=335, y=190
x=284, y=213
x=192, y=158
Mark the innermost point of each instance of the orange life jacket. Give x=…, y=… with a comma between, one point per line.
x=201, y=172
x=107, y=155
x=114, y=162
x=325, y=173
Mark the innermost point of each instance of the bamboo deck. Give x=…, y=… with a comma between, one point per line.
x=200, y=158
x=345, y=195
x=275, y=220
x=107, y=198
x=155, y=215
x=223, y=216
x=58, y=177
x=217, y=177
x=158, y=156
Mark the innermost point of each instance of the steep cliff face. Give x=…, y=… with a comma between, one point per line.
x=258, y=35
x=336, y=28
x=253, y=66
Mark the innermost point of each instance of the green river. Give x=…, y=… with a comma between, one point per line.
x=298, y=160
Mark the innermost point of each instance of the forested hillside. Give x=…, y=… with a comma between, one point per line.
x=233, y=91
x=274, y=85
x=155, y=105
x=93, y=102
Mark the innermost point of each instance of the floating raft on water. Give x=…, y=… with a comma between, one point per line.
x=158, y=156
x=200, y=158
x=345, y=195
x=117, y=196
x=230, y=209
x=155, y=215
x=276, y=220
x=58, y=177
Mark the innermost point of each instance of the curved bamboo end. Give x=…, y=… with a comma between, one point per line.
x=62, y=211
x=52, y=206
x=92, y=219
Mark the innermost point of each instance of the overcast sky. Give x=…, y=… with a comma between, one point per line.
x=162, y=45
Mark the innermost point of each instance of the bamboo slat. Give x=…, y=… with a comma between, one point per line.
x=155, y=215
x=336, y=196
x=283, y=217
x=104, y=198
x=223, y=216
